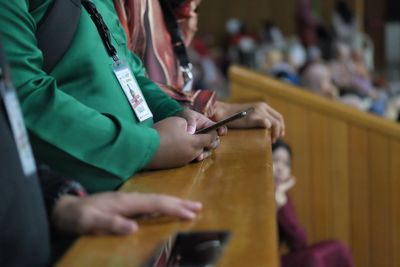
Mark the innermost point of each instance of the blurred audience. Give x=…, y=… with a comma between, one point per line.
x=336, y=63
x=344, y=23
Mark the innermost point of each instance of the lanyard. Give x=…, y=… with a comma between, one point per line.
x=178, y=44
x=102, y=29
x=128, y=83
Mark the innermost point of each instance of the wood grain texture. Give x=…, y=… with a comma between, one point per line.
x=301, y=141
x=378, y=165
x=236, y=188
x=359, y=197
x=295, y=118
x=320, y=179
x=339, y=179
x=395, y=200
x=347, y=165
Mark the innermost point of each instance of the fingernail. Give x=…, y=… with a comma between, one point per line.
x=128, y=227
x=190, y=215
x=197, y=205
x=191, y=129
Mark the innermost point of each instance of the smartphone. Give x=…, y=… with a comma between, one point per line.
x=220, y=123
x=190, y=249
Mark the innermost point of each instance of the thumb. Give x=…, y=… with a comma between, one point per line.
x=191, y=124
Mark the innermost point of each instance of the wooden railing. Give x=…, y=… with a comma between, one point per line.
x=347, y=165
x=236, y=188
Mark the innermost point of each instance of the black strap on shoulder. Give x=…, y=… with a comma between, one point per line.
x=176, y=35
x=56, y=31
x=178, y=44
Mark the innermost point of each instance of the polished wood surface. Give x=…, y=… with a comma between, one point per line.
x=347, y=165
x=236, y=188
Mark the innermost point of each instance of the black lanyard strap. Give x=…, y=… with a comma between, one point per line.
x=177, y=40
x=175, y=32
x=101, y=28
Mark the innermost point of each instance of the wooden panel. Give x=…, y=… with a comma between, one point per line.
x=379, y=200
x=320, y=177
x=339, y=179
x=300, y=141
x=359, y=10
x=236, y=188
x=359, y=198
x=395, y=200
x=282, y=14
x=296, y=117
x=213, y=14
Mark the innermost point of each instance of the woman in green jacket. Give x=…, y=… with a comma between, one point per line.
x=81, y=120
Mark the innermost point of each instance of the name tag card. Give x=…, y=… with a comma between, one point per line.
x=132, y=92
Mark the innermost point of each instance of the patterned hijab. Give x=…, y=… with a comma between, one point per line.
x=148, y=37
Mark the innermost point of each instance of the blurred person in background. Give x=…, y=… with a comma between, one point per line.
x=329, y=253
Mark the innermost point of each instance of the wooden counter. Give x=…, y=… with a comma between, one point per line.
x=236, y=188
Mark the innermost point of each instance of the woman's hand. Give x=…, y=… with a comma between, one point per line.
x=112, y=212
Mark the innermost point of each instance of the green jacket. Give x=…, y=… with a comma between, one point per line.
x=79, y=119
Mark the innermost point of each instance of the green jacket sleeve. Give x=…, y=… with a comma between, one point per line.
x=97, y=139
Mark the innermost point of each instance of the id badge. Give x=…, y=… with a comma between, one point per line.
x=18, y=129
x=132, y=91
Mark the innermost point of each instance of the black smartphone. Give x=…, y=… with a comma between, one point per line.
x=190, y=249
x=220, y=123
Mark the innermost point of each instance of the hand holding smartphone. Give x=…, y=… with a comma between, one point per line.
x=222, y=122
